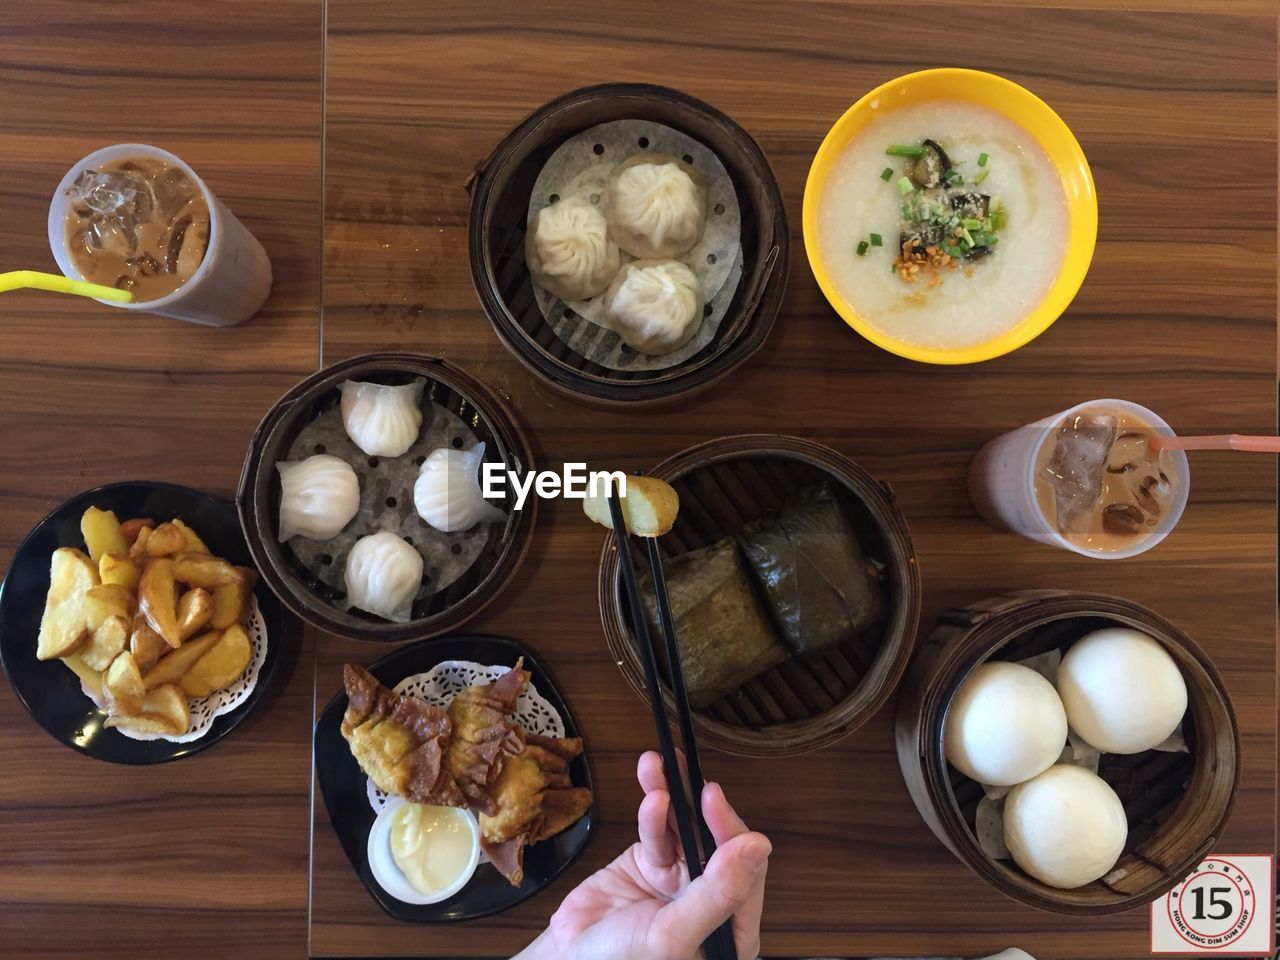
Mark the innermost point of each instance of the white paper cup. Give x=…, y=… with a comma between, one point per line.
x=1002, y=483
x=232, y=281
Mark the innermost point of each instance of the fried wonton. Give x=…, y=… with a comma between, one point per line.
x=484, y=736
x=535, y=800
x=398, y=741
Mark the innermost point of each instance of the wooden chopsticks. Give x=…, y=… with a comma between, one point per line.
x=690, y=824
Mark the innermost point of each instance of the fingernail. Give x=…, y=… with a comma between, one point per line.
x=757, y=853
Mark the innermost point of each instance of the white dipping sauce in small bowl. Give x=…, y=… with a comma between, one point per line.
x=423, y=854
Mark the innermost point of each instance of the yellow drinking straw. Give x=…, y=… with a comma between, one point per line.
x=35, y=280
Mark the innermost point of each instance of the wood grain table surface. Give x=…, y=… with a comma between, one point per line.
x=342, y=134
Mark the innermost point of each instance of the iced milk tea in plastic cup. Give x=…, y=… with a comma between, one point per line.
x=233, y=278
x=1011, y=491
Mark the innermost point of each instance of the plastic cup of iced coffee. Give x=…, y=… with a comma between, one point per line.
x=1085, y=480
x=136, y=217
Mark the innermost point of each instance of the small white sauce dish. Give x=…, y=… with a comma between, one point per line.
x=391, y=878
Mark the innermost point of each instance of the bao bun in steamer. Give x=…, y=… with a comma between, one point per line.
x=1005, y=725
x=569, y=250
x=1066, y=827
x=655, y=306
x=1122, y=691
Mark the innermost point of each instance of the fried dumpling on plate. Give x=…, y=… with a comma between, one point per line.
x=536, y=800
x=484, y=735
x=399, y=741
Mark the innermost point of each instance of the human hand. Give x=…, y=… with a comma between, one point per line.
x=643, y=905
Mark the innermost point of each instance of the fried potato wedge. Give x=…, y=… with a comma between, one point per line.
x=91, y=679
x=124, y=686
x=131, y=528
x=65, y=622
x=166, y=540
x=158, y=599
x=195, y=608
x=171, y=667
x=221, y=666
x=117, y=568
x=165, y=712
x=145, y=644
x=108, y=600
x=105, y=644
x=202, y=570
x=102, y=534
x=231, y=600
x=138, y=549
x=194, y=543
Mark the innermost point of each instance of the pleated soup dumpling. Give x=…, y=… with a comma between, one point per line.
x=657, y=205
x=382, y=420
x=569, y=251
x=383, y=574
x=318, y=497
x=447, y=493
x=655, y=306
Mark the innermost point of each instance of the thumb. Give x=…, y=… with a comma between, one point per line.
x=710, y=900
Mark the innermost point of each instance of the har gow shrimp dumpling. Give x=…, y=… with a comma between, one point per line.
x=318, y=497
x=383, y=574
x=569, y=251
x=655, y=306
x=447, y=493
x=657, y=206
x=382, y=420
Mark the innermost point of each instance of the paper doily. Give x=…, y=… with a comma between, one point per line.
x=439, y=685
x=204, y=710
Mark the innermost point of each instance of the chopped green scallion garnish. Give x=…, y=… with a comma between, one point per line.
x=886, y=174
x=862, y=248
x=904, y=185
x=971, y=224
x=997, y=220
x=904, y=150
x=954, y=177
x=982, y=159
x=982, y=175
x=877, y=240
x=968, y=238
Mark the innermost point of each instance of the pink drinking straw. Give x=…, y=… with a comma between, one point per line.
x=1233, y=441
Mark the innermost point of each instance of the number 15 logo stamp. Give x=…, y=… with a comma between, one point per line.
x=1224, y=906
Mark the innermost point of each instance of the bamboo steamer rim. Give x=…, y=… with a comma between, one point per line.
x=991, y=626
x=267, y=446
x=874, y=689
x=764, y=285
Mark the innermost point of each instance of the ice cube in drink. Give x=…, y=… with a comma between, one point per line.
x=139, y=224
x=1099, y=483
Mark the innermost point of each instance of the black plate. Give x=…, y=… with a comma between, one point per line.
x=51, y=692
x=342, y=783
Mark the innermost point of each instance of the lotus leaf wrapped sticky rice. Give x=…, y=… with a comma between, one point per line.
x=815, y=578
x=723, y=631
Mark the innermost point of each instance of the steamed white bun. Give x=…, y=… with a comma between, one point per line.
x=657, y=206
x=655, y=306
x=569, y=251
x=1122, y=691
x=1005, y=725
x=1065, y=827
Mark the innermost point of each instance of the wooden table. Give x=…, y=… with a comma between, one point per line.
x=1175, y=103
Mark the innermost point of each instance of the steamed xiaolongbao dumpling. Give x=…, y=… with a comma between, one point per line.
x=447, y=494
x=381, y=420
x=569, y=250
x=655, y=306
x=318, y=497
x=657, y=206
x=382, y=575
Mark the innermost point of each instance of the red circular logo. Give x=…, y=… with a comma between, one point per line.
x=1214, y=906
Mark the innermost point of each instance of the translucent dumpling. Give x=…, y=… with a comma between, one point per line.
x=382, y=420
x=383, y=574
x=447, y=494
x=318, y=497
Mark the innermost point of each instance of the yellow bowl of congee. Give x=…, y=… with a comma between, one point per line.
x=950, y=216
